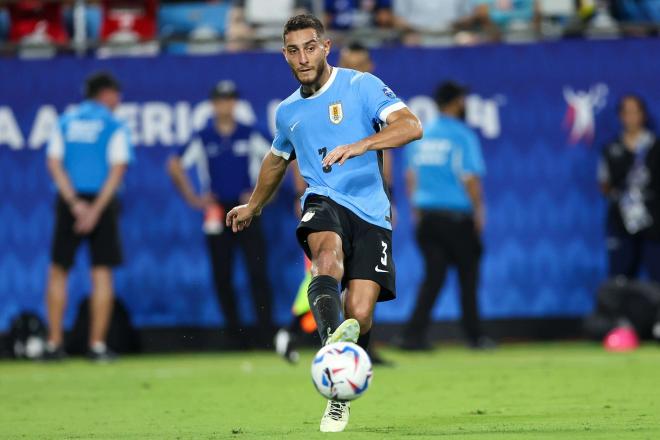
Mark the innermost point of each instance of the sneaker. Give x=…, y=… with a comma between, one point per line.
x=348, y=331
x=377, y=359
x=53, y=353
x=482, y=343
x=412, y=344
x=101, y=354
x=335, y=417
x=285, y=347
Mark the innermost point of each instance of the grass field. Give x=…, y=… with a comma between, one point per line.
x=549, y=391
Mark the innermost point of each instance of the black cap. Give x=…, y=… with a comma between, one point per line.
x=448, y=91
x=224, y=89
x=99, y=81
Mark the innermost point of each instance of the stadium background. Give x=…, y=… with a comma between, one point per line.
x=545, y=248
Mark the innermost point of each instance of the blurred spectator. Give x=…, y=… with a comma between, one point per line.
x=261, y=20
x=87, y=157
x=129, y=21
x=419, y=18
x=223, y=151
x=356, y=14
x=444, y=181
x=629, y=175
x=37, y=22
x=490, y=18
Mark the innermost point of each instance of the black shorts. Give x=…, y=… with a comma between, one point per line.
x=367, y=248
x=104, y=241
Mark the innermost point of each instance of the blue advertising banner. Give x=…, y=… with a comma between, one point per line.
x=543, y=112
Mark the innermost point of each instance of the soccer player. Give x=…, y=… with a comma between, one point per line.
x=333, y=125
x=88, y=154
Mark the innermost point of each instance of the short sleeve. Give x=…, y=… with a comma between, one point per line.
x=378, y=99
x=281, y=146
x=473, y=161
x=119, y=147
x=55, y=148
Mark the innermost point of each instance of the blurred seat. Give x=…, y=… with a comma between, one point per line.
x=202, y=24
x=37, y=27
x=128, y=27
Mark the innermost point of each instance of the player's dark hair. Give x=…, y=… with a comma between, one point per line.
x=98, y=82
x=303, y=21
x=640, y=103
x=356, y=46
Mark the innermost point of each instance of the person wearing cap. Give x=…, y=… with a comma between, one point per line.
x=443, y=179
x=88, y=154
x=227, y=155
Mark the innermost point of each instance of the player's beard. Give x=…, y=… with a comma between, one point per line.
x=320, y=70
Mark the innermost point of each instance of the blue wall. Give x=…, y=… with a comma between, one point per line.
x=544, y=237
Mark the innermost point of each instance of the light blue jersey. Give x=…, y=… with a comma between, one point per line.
x=349, y=107
x=449, y=151
x=88, y=141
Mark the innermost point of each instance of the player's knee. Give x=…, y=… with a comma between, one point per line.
x=328, y=262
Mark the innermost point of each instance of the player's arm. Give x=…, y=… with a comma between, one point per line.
x=474, y=191
x=402, y=128
x=271, y=174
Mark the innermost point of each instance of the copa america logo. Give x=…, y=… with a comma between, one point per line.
x=580, y=120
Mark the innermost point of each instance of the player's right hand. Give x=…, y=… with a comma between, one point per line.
x=240, y=217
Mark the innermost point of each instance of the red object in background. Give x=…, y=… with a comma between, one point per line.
x=33, y=17
x=621, y=338
x=135, y=17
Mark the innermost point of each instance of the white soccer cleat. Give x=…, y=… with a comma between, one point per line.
x=348, y=331
x=335, y=417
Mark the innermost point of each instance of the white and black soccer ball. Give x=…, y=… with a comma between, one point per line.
x=341, y=371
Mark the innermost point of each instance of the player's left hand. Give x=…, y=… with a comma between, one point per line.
x=344, y=152
x=86, y=222
x=240, y=217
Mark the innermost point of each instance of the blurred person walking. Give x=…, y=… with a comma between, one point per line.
x=223, y=152
x=88, y=153
x=629, y=176
x=444, y=182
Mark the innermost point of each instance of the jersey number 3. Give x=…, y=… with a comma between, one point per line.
x=323, y=152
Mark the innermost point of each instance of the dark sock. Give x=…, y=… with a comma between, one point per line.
x=323, y=295
x=363, y=341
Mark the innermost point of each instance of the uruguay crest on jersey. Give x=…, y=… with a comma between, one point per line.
x=336, y=113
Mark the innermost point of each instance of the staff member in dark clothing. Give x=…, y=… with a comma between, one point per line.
x=223, y=152
x=629, y=176
x=444, y=181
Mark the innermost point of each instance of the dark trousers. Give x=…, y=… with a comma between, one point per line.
x=222, y=249
x=447, y=239
x=628, y=254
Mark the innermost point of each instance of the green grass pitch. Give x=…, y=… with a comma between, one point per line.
x=521, y=391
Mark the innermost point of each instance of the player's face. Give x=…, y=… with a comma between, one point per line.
x=110, y=98
x=632, y=115
x=224, y=107
x=306, y=54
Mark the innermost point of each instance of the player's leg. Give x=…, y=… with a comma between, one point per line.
x=254, y=248
x=106, y=253
x=302, y=322
x=56, y=305
x=100, y=311
x=64, y=246
x=467, y=249
x=323, y=293
x=436, y=261
x=220, y=248
x=359, y=304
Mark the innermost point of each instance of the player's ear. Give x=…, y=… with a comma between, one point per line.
x=327, y=44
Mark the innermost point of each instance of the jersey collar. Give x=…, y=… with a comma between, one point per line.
x=325, y=86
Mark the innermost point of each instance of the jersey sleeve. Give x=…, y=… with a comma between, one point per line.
x=281, y=146
x=473, y=161
x=378, y=99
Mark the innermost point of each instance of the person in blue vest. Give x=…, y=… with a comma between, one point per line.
x=444, y=181
x=88, y=154
x=227, y=155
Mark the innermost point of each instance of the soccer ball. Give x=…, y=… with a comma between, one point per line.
x=341, y=371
